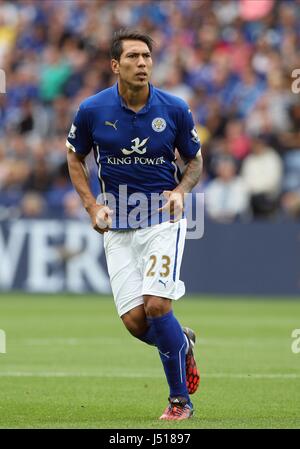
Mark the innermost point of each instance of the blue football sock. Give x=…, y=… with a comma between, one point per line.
x=170, y=341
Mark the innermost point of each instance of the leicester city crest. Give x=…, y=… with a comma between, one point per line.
x=159, y=124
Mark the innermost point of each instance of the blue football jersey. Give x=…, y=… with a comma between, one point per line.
x=134, y=151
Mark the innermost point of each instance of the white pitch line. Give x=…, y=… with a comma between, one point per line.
x=254, y=376
x=66, y=374
x=148, y=374
x=64, y=341
x=230, y=342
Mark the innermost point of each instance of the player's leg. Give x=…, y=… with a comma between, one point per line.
x=125, y=277
x=126, y=282
x=172, y=345
x=135, y=321
x=138, y=325
x=161, y=249
x=155, y=324
x=170, y=341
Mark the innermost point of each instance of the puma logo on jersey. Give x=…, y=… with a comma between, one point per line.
x=114, y=125
x=136, y=148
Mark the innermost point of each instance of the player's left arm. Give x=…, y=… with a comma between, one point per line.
x=192, y=174
x=189, y=148
x=191, y=177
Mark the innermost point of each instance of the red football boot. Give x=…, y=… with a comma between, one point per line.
x=177, y=410
x=192, y=372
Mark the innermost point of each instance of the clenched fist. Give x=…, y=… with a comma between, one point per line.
x=100, y=217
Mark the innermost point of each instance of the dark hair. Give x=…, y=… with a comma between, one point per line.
x=116, y=48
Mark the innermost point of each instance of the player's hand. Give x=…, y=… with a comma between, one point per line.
x=101, y=218
x=174, y=205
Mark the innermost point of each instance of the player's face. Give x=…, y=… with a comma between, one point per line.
x=135, y=63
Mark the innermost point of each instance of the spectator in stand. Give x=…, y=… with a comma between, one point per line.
x=40, y=177
x=238, y=141
x=247, y=92
x=55, y=74
x=32, y=205
x=226, y=196
x=290, y=138
x=231, y=62
x=271, y=113
x=59, y=188
x=73, y=207
x=290, y=203
x=290, y=200
x=174, y=84
x=262, y=173
x=14, y=176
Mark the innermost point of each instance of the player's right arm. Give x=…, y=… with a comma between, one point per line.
x=100, y=215
x=79, y=144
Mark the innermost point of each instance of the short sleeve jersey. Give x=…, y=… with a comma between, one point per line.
x=134, y=151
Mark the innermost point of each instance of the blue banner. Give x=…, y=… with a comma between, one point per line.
x=58, y=256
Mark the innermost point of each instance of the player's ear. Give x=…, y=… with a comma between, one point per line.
x=115, y=66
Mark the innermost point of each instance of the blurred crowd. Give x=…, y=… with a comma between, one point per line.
x=231, y=60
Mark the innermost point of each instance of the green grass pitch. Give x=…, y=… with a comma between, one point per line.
x=70, y=363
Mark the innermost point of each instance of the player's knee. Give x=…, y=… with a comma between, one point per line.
x=155, y=306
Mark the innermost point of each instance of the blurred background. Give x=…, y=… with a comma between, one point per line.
x=234, y=62
x=231, y=60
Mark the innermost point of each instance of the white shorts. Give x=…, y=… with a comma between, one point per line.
x=145, y=262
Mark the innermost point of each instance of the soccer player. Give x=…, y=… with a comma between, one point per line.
x=134, y=129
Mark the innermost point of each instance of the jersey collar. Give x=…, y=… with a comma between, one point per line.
x=123, y=105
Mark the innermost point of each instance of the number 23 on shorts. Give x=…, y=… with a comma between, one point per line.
x=165, y=266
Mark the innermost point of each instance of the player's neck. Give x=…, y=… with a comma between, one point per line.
x=134, y=99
